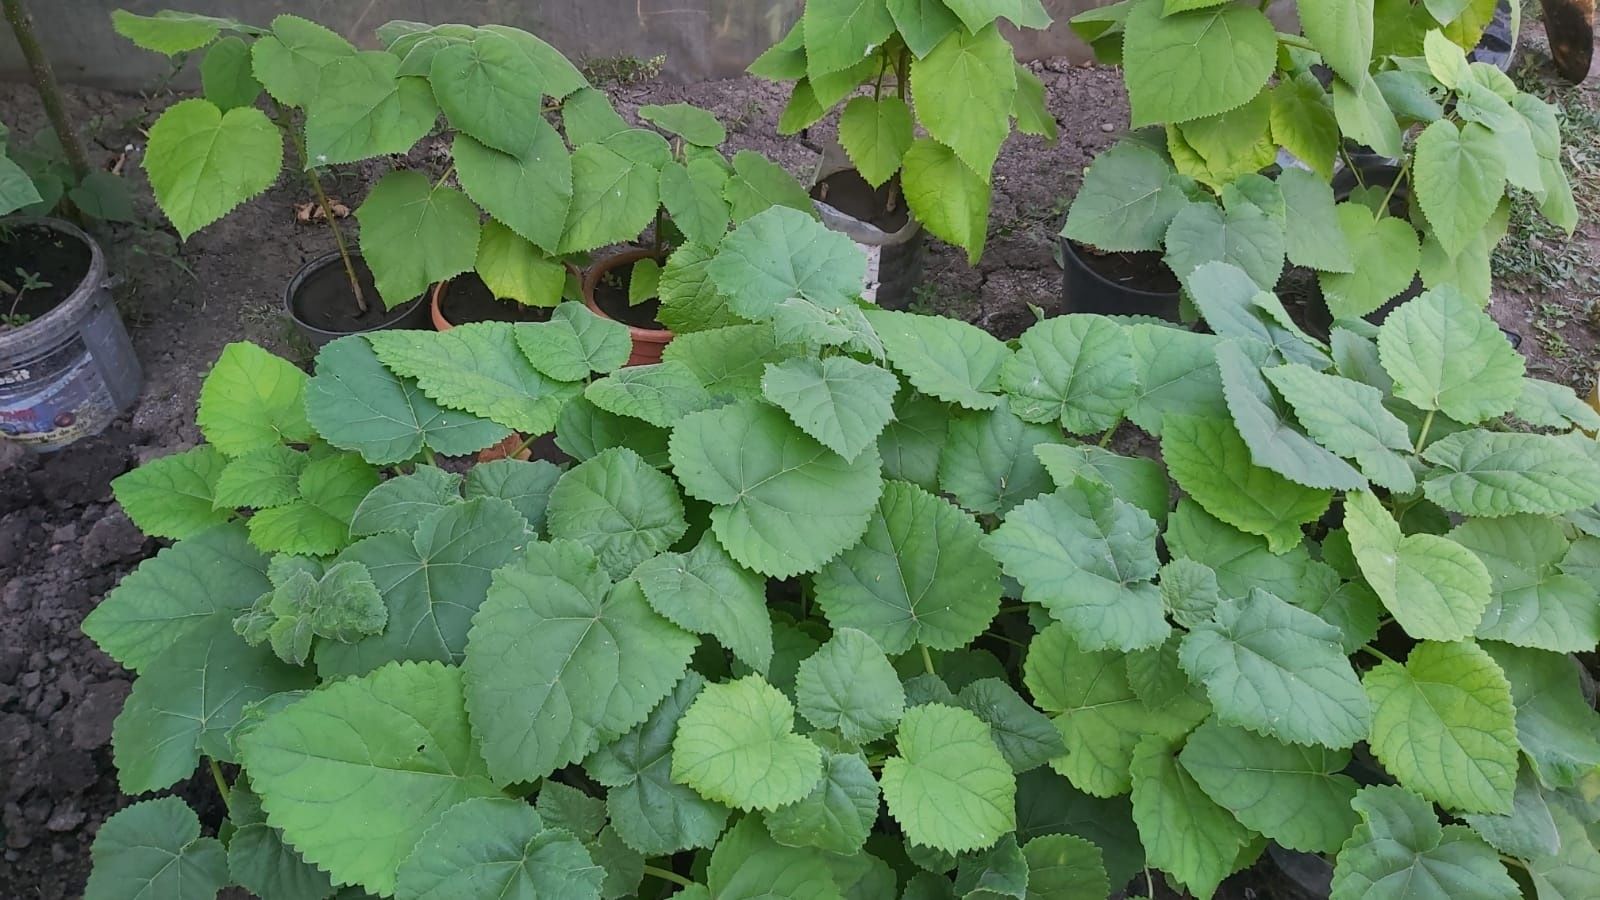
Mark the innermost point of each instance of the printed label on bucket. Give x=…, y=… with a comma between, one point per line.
x=874, y=254
x=55, y=397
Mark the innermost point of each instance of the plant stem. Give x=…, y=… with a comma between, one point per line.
x=442, y=178
x=526, y=443
x=1399, y=177
x=44, y=83
x=1427, y=425
x=1006, y=640
x=1019, y=608
x=927, y=660
x=1292, y=40
x=668, y=875
x=338, y=238
x=427, y=454
x=222, y=783
x=1351, y=165
x=1105, y=439
x=1376, y=653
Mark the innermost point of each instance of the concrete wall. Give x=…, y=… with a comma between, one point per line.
x=701, y=39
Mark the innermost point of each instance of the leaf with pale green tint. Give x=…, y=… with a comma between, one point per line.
x=691, y=123
x=802, y=111
x=1485, y=473
x=1303, y=123
x=1235, y=307
x=849, y=686
x=800, y=324
x=1177, y=373
x=575, y=343
x=357, y=404
x=585, y=430
x=944, y=358
x=260, y=862
x=1315, y=238
x=414, y=234
x=758, y=184
x=1538, y=599
x=588, y=117
x=912, y=444
x=1184, y=833
x=186, y=700
x=1400, y=851
x=975, y=14
x=252, y=399
x=490, y=89
x=949, y=788
x=1140, y=481
x=661, y=394
x=529, y=190
x=784, y=503
x=525, y=485
x=1529, y=830
x=918, y=576
x=1090, y=560
x=690, y=301
x=598, y=659
x=1435, y=588
x=876, y=133
x=1030, y=109
x=1557, y=727
x=169, y=31
x=558, y=77
x=154, y=849
x=1212, y=463
x=210, y=577
x=514, y=269
x=497, y=847
x=614, y=198
x=1189, y=590
x=1364, y=115
x=729, y=361
x=363, y=108
x=706, y=592
x=1279, y=671
x=842, y=32
x=692, y=195
x=947, y=196
x=1446, y=354
x=1217, y=150
x=404, y=741
x=1242, y=236
x=750, y=865
x=204, y=162
x=1293, y=795
x=780, y=254
x=343, y=604
x=842, y=403
x=988, y=464
x=1549, y=405
x=1026, y=737
x=479, y=368
x=225, y=75
x=1575, y=869
x=290, y=60
x=838, y=814
x=1444, y=724
x=1342, y=31
x=259, y=479
x=736, y=745
x=1386, y=252
x=1065, y=866
x=963, y=91
x=1195, y=64
x=175, y=496
x=1074, y=369
x=432, y=582
x=400, y=503
x=1348, y=418
x=1129, y=197
x=1460, y=178
x=317, y=522
x=652, y=813
x=998, y=872
x=1269, y=430
x=16, y=188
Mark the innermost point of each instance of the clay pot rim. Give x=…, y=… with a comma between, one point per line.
x=591, y=280
x=436, y=297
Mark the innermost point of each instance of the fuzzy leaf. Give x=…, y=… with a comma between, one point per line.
x=317, y=522
x=1436, y=588
x=290, y=60
x=1446, y=354
x=1556, y=726
x=876, y=134
x=1315, y=237
x=838, y=814
x=850, y=687
x=1342, y=31
x=947, y=196
x=963, y=91
x=490, y=89
x=619, y=507
x=1242, y=236
x=842, y=403
x=1269, y=430
x=1077, y=369
x=692, y=194
x=750, y=865
x=1484, y=473
x=363, y=108
x=758, y=184
x=400, y=503
x=783, y=253
x=1400, y=851
x=1129, y=197
x=1184, y=833
x=1026, y=737
x=154, y=849
x=691, y=123
x=1195, y=64
x=736, y=745
x=843, y=32
x=1177, y=374
x=1386, y=253
x=252, y=399
x=203, y=162
x=496, y=847
x=613, y=197
x=528, y=189
x=949, y=788
x=706, y=592
x=1535, y=601
x=1348, y=418
x=1460, y=180
x=943, y=358
x=174, y=496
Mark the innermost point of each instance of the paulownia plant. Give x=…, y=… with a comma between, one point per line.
x=847, y=603
x=946, y=90
x=1227, y=93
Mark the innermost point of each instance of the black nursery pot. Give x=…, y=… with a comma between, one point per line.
x=1117, y=284
x=322, y=307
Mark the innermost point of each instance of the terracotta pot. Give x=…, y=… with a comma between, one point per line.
x=440, y=323
x=647, y=342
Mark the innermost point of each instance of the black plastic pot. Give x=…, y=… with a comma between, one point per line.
x=319, y=302
x=1084, y=289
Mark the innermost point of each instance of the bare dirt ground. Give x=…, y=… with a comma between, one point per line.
x=64, y=542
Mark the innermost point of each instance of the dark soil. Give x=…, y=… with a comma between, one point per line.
x=64, y=542
x=325, y=302
x=849, y=193
x=1139, y=271
x=467, y=299
x=611, y=295
x=39, y=254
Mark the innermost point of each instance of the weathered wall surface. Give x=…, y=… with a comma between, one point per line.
x=701, y=39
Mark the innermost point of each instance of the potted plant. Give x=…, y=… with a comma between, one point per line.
x=945, y=89
x=67, y=367
x=1241, y=170
x=1361, y=553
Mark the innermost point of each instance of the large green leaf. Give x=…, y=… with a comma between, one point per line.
x=839, y=33
x=401, y=502
x=1401, y=851
x=364, y=108
x=947, y=196
x=402, y=741
x=479, y=368
x=513, y=269
x=357, y=404
x=758, y=184
x=783, y=253
x=750, y=865
x=559, y=660
x=850, y=687
x=706, y=592
x=1062, y=865
x=174, y=496
x=1243, y=236
x=693, y=196
x=1343, y=31
x=944, y=358
x=16, y=188
x=1535, y=602
x=661, y=394
x=1177, y=373
x=1184, y=833
x=876, y=133
x=490, y=89
x=963, y=91
x=620, y=507
x=1572, y=871
x=652, y=813
x=260, y=862
x=1278, y=671
x=1435, y=588
x=415, y=233
x=1314, y=236
x=1364, y=115
x=784, y=503
x=1074, y=369
x=168, y=31
x=1304, y=124
x=1529, y=830
x=1460, y=178
x=691, y=123
x=226, y=78
x=203, y=162
x=1136, y=479
x=1556, y=726
x=613, y=198
x=975, y=14
x=949, y=787
x=317, y=521
x=1194, y=64
x=1129, y=197
x=1026, y=737
x=919, y=575
x=1269, y=430
x=838, y=814
x=1348, y=418
x=842, y=403
x=252, y=399
x=1386, y=252
x=1212, y=463
x=1090, y=559
x=1293, y=795
x=290, y=60
x=736, y=745
x=1484, y=473
x=497, y=847
x=154, y=849
x=528, y=189
x=1443, y=723
x=1446, y=354
x=432, y=582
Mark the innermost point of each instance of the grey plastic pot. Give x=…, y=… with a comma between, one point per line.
x=67, y=374
x=411, y=315
x=894, y=259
